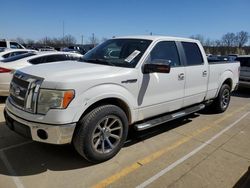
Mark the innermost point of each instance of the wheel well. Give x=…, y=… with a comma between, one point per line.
x=229, y=82
x=113, y=101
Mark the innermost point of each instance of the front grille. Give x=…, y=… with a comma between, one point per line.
x=24, y=91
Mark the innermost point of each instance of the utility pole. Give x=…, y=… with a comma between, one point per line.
x=93, y=38
x=63, y=33
x=82, y=39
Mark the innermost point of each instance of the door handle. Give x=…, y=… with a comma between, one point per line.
x=181, y=76
x=204, y=73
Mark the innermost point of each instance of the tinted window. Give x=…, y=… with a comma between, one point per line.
x=244, y=61
x=36, y=61
x=6, y=55
x=193, y=53
x=11, y=54
x=54, y=58
x=15, y=45
x=17, y=57
x=3, y=44
x=165, y=51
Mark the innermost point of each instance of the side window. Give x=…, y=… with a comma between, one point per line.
x=193, y=53
x=18, y=53
x=165, y=50
x=6, y=55
x=15, y=45
x=36, y=61
x=54, y=58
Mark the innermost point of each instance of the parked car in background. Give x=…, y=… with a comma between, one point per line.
x=11, y=44
x=13, y=52
x=75, y=49
x=217, y=58
x=9, y=65
x=244, y=70
x=45, y=48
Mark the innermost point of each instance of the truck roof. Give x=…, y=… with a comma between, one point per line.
x=157, y=37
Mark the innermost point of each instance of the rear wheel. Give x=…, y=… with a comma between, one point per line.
x=221, y=103
x=101, y=133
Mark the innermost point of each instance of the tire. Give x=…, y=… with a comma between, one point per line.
x=101, y=133
x=222, y=101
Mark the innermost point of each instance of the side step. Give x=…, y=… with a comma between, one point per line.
x=168, y=117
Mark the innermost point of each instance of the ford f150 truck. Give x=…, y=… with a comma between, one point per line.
x=148, y=80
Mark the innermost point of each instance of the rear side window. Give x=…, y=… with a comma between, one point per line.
x=166, y=50
x=244, y=61
x=54, y=58
x=192, y=53
x=36, y=61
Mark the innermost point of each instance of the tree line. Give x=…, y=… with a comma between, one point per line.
x=230, y=43
x=58, y=42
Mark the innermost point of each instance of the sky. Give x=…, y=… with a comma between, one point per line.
x=35, y=19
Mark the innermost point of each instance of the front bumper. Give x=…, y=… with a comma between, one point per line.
x=53, y=134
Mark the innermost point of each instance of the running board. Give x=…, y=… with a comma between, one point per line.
x=169, y=117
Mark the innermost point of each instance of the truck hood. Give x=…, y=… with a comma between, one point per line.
x=58, y=70
x=69, y=72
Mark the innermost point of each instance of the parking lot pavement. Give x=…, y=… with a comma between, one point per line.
x=202, y=150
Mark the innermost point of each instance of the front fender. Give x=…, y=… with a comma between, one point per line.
x=105, y=91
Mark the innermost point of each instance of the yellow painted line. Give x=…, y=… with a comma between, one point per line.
x=127, y=170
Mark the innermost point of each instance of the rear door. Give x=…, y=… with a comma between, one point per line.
x=196, y=74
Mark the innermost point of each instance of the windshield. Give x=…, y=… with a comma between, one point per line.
x=118, y=52
x=17, y=57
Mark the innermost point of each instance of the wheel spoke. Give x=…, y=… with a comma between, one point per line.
x=97, y=143
x=106, y=122
x=115, y=129
x=109, y=143
x=99, y=127
x=103, y=146
x=115, y=136
x=112, y=123
x=96, y=135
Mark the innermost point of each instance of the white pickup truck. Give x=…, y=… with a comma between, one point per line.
x=148, y=80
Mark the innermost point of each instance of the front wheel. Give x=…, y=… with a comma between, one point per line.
x=221, y=103
x=101, y=133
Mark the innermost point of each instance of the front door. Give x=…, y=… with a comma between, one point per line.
x=162, y=92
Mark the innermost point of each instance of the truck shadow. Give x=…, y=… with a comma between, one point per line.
x=35, y=158
x=2, y=99
x=244, y=181
x=242, y=92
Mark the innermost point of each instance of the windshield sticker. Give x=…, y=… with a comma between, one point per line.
x=132, y=56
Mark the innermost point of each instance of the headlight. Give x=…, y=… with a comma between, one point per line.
x=49, y=99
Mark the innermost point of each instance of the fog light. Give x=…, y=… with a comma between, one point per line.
x=42, y=134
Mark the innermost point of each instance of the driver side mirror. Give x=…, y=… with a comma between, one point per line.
x=162, y=66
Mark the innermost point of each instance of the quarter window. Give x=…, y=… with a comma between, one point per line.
x=166, y=51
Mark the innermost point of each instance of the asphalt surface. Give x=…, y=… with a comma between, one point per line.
x=201, y=150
